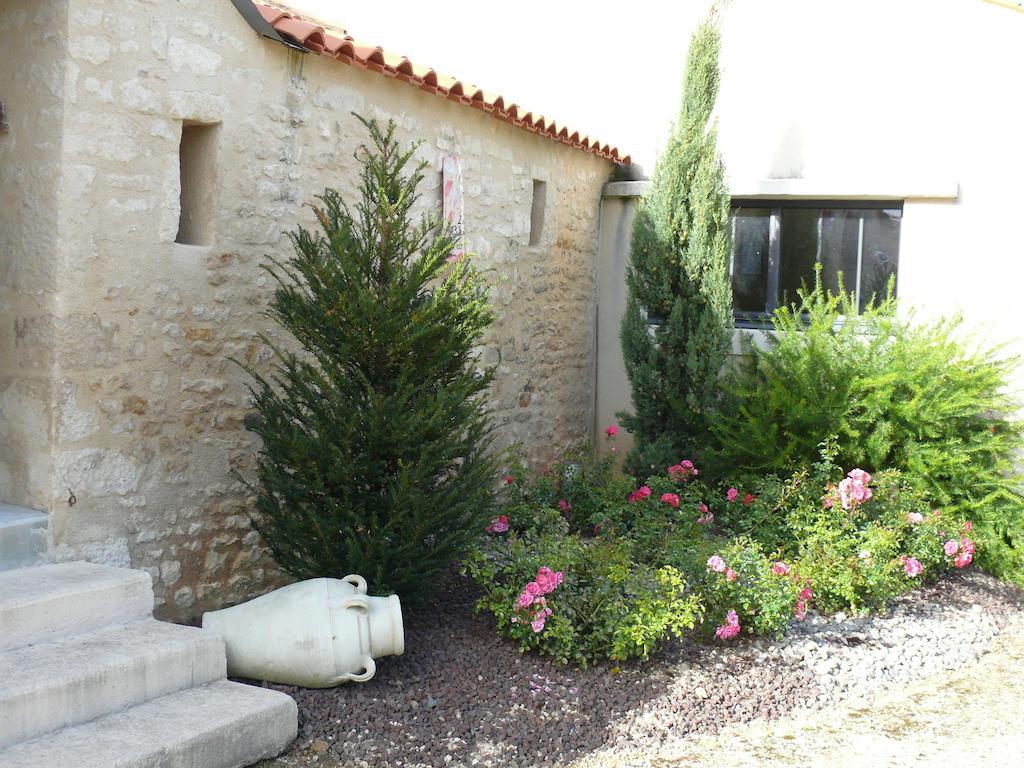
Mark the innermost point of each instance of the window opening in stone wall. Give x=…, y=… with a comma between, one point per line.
x=197, y=157
x=537, y=211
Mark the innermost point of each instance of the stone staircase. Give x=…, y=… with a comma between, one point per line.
x=23, y=536
x=88, y=679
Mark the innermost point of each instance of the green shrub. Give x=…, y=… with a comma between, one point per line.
x=375, y=434
x=606, y=606
x=762, y=591
x=679, y=274
x=894, y=394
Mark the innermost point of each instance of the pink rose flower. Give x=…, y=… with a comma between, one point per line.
x=534, y=588
x=498, y=524
x=525, y=600
x=564, y=506
x=509, y=479
x=682, y=471
x=780, y=568
x=859, y=476
x=716, y=564
x=640, y=494
x=731, y=495
x=548, y=580
x=611, y=431
x=963, y=559
x=537, y=625
x=731, y=628
x=671, y=499
x=800, y=610
x=951, y=547
x=914, y=517
x=968, y=526
x=730, y=574
x=748, y=499
x=913, y=567
x=706, y=515
x=806, y=594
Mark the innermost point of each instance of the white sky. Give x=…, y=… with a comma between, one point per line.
x=609, y=70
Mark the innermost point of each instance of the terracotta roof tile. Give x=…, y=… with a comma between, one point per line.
x=316, y=40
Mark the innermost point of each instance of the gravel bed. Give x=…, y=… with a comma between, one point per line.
x=461, y=696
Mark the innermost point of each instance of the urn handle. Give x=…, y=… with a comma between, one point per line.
x=356, y=581
x=360, y=603
x=369, y=670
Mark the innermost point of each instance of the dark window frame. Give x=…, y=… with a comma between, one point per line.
x=748, y=319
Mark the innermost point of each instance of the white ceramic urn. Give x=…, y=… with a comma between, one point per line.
x=316, y=634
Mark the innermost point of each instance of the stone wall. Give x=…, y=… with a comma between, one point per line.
x=33, y=87
x=149, y=416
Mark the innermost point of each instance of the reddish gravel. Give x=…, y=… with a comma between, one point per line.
x=462, y=696
x=461, y=691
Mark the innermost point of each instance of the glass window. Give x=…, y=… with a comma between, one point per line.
x=750, y=233
x=776, y=247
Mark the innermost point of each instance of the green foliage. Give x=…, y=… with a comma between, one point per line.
x=679, y=274
x=853, y=558
x=763, y=600
x=922, y=398
x=375, y=437
x=607, y=607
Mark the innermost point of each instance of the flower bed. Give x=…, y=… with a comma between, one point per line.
x=462, y=696
x=585, y=565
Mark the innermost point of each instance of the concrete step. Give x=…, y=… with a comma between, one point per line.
x=22, y=536
x=53, y=685
x=48, y=602
x=221, y=725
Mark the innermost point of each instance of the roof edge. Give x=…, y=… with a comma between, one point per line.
x=291, y=30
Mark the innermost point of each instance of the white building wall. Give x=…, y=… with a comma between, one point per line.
x=919, y=100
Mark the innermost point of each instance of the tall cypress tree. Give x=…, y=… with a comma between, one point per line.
x=677, y=327
x=375, y=433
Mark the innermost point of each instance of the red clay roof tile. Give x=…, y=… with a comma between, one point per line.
x=315, y=39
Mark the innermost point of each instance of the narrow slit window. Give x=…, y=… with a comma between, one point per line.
x=540, y=194
x=197, y=157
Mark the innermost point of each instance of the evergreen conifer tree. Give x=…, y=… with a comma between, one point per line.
x=375, y=436
x=678, y=322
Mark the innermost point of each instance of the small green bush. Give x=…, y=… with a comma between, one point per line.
x=735, y=575
x=853, y=554
x=894, y=394
x=606, y=606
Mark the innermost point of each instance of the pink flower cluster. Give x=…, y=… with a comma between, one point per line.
x=706, y=515
x=914, y=517
x=671, y=499
x=717, y=564
x=532, y=599
x=564, y=506
x=962, y=549
x=853, y=490
x=732, y=494
x=611, y=431
x=803, y=600
x=912, y=566
x=780, y=568
x=683, y=471
x=498, y=524
x=641, y=493
x=731, y=628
